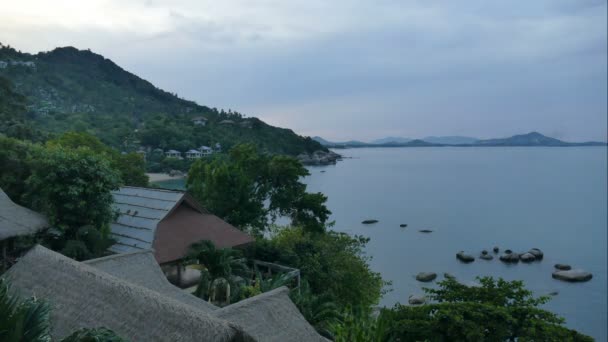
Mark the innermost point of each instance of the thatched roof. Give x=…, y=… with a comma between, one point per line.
x=82, y=296
x=270, y=316
x=16, y=220
x=141, y=268
x=167, y=221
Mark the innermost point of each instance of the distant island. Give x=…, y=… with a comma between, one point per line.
x=529, y=139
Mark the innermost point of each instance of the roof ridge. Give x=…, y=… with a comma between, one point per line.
x=117, y=256
x=151, y=188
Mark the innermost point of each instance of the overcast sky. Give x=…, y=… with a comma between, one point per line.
x=346, y=69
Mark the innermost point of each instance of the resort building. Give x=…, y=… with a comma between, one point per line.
x=168, y=222
x=194, y=154
x=173, y=154
x=128, y=294
x=199, y=121
x=16, y=221
x=206, y=150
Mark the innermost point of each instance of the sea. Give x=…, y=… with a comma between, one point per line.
x=476, y=198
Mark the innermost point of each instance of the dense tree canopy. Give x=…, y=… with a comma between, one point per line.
x=496, y=310
x=250, y=189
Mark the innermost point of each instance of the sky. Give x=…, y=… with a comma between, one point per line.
x=350, y=69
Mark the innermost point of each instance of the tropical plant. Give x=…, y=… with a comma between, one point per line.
x=360, y=325
x=319, y=311
x=217, y=267
x=22, y=320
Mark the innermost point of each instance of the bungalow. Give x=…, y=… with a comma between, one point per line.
x=199, y=121
x=194, y=154
x=206, y=150
x=128, y=294
x=173, y=154
x=16, y=221
x=169, y=222
x=218, y=147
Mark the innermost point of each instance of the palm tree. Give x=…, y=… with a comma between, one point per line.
x=29, y=321
x=217, y=266
x=22, y=320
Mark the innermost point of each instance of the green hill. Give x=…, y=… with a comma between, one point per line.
x=70, y=89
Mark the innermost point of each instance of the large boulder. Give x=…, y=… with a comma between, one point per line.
x=416, y=299
x=466, y=258
x=509, y=257
x=426, y=276
x=563, y=267
x=572, y=275
x=527, y=257
x=538, y=254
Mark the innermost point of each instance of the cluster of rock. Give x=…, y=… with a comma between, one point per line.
x=319, y=158
x=566, y=273
x=533, y=254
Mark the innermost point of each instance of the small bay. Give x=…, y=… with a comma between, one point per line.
x=472, y=199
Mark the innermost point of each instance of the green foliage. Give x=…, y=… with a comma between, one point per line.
x=333, y=263
x=319, y=311
x=131, y=166
x=237, y=187
x=77, y=90
x=217, y=266
x=14, y=166
x=72, y=187
x=22, y=320
x=359, y=325
x=497, y=310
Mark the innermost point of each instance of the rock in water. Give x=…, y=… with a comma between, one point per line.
x=509, y=257
x=484, y=252
x=449, y=276
x=403, y=225
x=496, y=249
x=486, y=257
x=425, y=231
x=527, y=257
x=369, y=221
x=426, y=276
x=508, y=251
x=466, y=258
x=572, y=275
x=416, y=299
x=563, y=267
x=538, y=254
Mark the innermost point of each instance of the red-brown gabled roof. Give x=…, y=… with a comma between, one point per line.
x=185, y=226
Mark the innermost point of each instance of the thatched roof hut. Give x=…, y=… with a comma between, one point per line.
x=167, y=221
x=82, y=296
x=141, y=268
x=270, y=316
x=16, y=220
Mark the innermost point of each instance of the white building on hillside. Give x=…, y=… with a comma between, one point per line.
x=206, y=150
x=199, y=121
x=194, y=154
x=173, y=154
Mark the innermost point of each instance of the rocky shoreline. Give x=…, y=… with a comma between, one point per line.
x=319, y=158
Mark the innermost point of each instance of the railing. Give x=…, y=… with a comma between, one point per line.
x=290, y=272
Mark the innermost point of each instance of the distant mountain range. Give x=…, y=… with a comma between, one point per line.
x=529, y=139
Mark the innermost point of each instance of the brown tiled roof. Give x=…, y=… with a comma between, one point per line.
x=185, y=226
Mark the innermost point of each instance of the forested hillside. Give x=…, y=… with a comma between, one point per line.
x=70, y=89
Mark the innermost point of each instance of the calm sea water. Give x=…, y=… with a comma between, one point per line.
x=473, y=199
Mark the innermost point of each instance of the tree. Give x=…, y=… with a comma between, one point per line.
x=249, y=189
x=497, y=310
x=72, y=188
x=130, y=166
x=332, y=262
x=217, y=267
